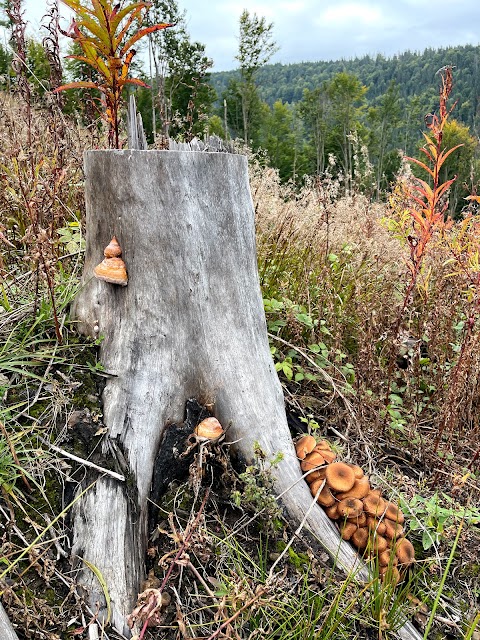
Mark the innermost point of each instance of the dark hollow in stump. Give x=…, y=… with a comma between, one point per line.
x=190, y=324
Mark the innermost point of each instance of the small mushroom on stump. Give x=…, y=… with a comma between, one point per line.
x=210, y=429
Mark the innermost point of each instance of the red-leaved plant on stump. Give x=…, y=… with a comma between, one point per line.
x=104, y=33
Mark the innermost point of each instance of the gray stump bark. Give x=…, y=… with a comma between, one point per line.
x=7, y=632
x=190, y=323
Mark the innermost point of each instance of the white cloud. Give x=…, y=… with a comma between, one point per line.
x=351, y=13
x=309, y=30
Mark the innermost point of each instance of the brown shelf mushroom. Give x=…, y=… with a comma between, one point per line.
x=339, y=476
x=113, y=249
x=112, y=270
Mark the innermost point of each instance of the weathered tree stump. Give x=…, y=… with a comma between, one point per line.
x=190, y=324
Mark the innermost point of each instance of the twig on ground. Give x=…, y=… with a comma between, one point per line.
x=297, y=532
x=86, y=463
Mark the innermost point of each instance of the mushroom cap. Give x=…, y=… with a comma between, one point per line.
x=311, y=461
x=360, y=538
x=393, y=529
x=360, y=521
x=305, y=445
x=350, y=508
x=112, y=270
x=374, y=504
x=359, y=489
x=209, y=428
x=315, y=485
x=326, y=499
x=358, y=471
x=391, y=575
x=332, y=512
x=393, y=512
x=386, y=558
x=324, y=444
x=378, y=544
x=405, y=552
x=340, y=477
x=327, y=454
x=113, y=249
x=376, y=525
x=347, y=530
x=315, y=475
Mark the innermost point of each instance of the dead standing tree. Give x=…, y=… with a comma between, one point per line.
x=190, y=324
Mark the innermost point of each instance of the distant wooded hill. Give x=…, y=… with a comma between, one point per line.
x=414, y=73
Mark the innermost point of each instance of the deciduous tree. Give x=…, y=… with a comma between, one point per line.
x=256, y=47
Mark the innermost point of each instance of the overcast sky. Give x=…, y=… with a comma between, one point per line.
x=310, y=30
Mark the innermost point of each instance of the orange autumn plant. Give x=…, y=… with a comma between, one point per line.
x=431, y=202
x=103, y=31
x=428, y=201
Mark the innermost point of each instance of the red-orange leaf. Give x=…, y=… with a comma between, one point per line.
x=81, y=84
x=143, y=32
x=420, y=164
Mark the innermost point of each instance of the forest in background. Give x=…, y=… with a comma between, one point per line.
x=355, y=119
x=369, y=108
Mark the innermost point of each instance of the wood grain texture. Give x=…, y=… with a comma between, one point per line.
x=190, y=323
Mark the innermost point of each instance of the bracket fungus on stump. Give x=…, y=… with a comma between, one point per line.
x=112, y=269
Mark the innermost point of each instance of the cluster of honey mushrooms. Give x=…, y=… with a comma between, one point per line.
x=369, y=521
